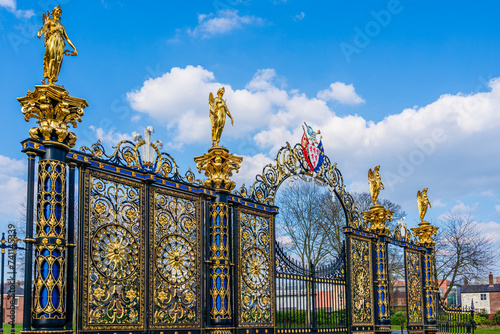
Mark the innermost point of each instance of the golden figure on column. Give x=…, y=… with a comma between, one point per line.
x=377, y=215
x=423, y=203
x=218, y=111
x=218, y=164
x=425, y=231
x=375, y=183
x=55, y=34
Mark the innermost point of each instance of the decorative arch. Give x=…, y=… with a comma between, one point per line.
x=291, y=163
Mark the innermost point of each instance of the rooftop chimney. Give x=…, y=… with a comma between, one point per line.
x=498, y=280
x=491, y=279
x=466, y=281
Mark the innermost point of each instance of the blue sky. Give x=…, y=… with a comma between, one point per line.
x=409, y=85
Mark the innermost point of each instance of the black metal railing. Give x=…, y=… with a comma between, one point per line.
x=309, y=298
x=454, y=319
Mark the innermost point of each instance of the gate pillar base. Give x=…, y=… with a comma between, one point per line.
x=383, y=329
x=431, y=329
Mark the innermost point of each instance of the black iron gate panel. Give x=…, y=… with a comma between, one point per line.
x=414, y=295
x=255, y=269
x=113, y=257
x=175, y=260
x=310, y=299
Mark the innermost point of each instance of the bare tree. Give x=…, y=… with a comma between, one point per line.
x=462, y=250
x=300, y=221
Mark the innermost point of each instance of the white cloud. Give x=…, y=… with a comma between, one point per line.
x=438, y=204
x=224, y=22
x=111, y=137
x=431, y=146
x=11, y=6
x=250, y=167
x=299, y=17
x=497, y=208
x=12, y=186
x=340, y=92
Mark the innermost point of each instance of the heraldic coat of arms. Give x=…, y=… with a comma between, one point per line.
x=312, y=148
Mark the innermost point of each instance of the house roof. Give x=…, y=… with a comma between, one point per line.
x=18, y=291
x=480, y=288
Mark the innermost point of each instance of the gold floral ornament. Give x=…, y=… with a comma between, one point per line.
x=425, y=231
x=54, y=110
x=115, y=252
x=377, y=216
x=218, y=165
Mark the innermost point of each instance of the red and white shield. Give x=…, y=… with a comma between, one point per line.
x=314, y=153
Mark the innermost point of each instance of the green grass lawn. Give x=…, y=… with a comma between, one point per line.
x=486, y=330
x=6, y=328
x=477, y=331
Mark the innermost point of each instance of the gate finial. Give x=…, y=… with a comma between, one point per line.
x=377, y=215
x=425, y=231
x=218, y=163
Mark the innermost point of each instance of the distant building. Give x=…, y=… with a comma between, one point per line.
x=486, y=297
x=18, y=303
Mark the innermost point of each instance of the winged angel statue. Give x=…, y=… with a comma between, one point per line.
x=218, y=111
x=423, y=203
x=55, y=34
x=375, y=183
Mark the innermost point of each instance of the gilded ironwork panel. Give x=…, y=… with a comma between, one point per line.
x=113, y=248
x=429, y=288
x=220, y=286
x=414, y=287
x=381, y=281
x=175, y=260
x=361, y=281
x=50, y=250
x=256, y=276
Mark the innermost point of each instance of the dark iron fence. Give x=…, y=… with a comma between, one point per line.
x=308, y=298
x=454, y=319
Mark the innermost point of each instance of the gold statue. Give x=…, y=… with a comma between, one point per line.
x=218, y=111
x=423, y=203
x=375, y=183
x=55, y=34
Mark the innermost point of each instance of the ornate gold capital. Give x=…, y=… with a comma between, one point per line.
x=425, y=231
x=218, y=165
x=54, y=110
x=377, y=216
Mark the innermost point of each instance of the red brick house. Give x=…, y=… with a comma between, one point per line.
x=18, y=303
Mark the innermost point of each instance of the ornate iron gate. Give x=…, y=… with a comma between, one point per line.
x=310, y=299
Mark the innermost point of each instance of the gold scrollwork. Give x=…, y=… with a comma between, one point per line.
x=361, y=280
x=51, y=203
x=414, y=288
x=50, y=259
x=255, y=297
x=175, y=260
x=113, y=252
x=290, y=162
x=429, y=288
x=49, y=282
x=129, y=154
x=220, y=291
x=382, y=281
